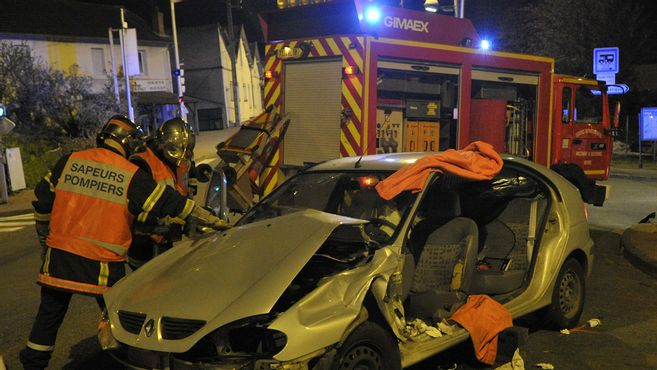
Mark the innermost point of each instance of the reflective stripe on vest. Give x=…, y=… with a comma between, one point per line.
x=161, y=173
x=90, y=216
x=71, y=285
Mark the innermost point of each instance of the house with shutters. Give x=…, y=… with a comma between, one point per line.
x=64, y=33
x=209, y=81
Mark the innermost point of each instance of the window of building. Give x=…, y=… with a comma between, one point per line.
x=143, y=63
x=98, y=62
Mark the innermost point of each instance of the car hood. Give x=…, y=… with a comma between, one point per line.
x=221, y=278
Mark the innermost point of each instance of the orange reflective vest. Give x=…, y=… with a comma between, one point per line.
x=90, y=216
x=162, y=174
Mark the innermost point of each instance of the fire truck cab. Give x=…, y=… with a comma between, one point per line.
x=358, y=78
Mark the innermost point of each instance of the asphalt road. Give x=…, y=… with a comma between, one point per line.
x=629, y=201
x=620, y=295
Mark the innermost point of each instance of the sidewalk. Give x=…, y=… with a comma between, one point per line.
x=639, y=242
x=20, y=202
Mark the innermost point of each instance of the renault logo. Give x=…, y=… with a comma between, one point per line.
x=149, y=327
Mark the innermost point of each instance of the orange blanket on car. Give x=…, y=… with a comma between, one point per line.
x=477, y=161
x=483, y=318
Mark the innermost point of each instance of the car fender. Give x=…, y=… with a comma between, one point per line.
x=325, y=316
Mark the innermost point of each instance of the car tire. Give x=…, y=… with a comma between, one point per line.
x=567, y=297
x=370, y=347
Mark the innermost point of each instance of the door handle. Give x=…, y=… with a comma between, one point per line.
x=577, y=141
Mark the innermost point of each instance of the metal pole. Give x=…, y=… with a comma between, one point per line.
x=627, y=129
x=116, y=82
x=131, y=112
x=233, y=61
x=640, y=149
x=176, y=56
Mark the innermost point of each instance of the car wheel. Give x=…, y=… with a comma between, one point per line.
x=567, y=297
x=368, y=347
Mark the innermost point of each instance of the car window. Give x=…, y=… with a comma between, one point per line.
x=351, y=194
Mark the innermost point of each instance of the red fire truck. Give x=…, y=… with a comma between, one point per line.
x=358, y=78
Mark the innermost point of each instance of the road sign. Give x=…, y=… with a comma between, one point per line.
x=605, y=60
x=608, y=78
x=617, y=89
x=648, y=124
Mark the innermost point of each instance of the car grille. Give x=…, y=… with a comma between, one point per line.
x=131, y=321
x=173, y=328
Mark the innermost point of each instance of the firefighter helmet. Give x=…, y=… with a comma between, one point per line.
x=175, y=140
x=123, y=131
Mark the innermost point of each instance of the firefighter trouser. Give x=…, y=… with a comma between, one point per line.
x=41, y=343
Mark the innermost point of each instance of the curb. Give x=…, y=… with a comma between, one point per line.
x=632, y=176
x=633, y=243
x=637, y=243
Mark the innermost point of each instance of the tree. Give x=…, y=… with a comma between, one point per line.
x=569, y=31
x=47, y=103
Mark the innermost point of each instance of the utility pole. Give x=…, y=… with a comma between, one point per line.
x=232, y=44
x=183, y=112
x=124, y=26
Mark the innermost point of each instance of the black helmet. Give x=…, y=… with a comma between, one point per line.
x=123, y=131
x=175, y=140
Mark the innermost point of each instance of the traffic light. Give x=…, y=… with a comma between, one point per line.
x=3, y=111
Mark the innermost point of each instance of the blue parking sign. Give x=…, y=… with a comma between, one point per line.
x=605, y=60
x=648, y=124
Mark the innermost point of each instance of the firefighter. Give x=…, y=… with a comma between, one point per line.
x=88, y=202
x=167, y=157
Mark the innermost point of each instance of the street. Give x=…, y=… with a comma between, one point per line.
x=620, y=295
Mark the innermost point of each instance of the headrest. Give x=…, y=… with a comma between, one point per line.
x=442, y=205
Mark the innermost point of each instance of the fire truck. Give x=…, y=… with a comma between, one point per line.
x=359, y=78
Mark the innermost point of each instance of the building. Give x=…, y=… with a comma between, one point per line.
x=65, y=33
x=209, y=75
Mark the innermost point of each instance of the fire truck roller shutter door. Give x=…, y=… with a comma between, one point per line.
x=313, y=101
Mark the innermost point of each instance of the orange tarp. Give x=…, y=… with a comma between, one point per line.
x=483, y=318
x=477, y=161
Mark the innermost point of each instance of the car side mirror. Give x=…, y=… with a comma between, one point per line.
x=203, y=172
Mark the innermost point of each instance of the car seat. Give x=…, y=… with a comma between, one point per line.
x=436, y=209
x=444, y=270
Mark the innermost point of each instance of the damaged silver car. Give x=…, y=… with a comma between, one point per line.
x=325, y=274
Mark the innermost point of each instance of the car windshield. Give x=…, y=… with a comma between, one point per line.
x=349, y=194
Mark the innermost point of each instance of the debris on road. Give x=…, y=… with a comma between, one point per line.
x=594, y=322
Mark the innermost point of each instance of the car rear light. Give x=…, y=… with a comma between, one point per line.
x=586, y=213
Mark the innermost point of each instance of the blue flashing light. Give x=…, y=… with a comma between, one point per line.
x=485, y=45
x=372, y=14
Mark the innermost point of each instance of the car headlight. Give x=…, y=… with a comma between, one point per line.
x=249, y=337
x=105, y=337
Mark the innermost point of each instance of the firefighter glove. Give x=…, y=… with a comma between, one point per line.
x=206, y=218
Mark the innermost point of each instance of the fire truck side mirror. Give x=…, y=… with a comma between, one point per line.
x=616, y=114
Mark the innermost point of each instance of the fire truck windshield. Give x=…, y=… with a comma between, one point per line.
x=588, y=106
